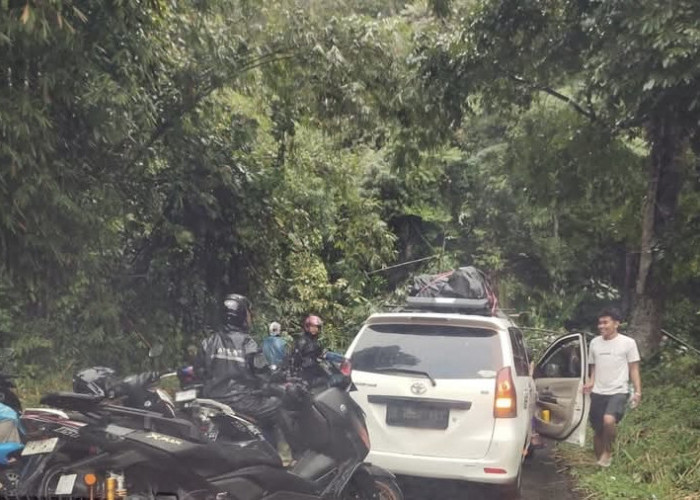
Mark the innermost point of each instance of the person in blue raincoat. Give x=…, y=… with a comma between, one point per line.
x=275, y=346
x=10, y=441
x=9, y=425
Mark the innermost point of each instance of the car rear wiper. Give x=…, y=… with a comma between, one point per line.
x=406, y=370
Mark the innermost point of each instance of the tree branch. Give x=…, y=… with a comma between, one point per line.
x=631, y=122
x=588, y=113
x=214, y=84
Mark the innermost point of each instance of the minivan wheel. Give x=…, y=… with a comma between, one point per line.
x=513, y=490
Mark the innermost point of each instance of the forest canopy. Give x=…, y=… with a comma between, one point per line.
x=156, y=155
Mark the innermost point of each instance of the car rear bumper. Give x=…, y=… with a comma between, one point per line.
x=454, y=468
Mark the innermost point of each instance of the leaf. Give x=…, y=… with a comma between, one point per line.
x=25, y=14
x=80, y=15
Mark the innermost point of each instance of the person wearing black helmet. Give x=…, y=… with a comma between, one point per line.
x=307, y=349
x=225, y=363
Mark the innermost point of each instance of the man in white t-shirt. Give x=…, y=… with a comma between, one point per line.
x=613, y=361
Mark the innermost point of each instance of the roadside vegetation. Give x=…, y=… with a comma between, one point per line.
x=657, y=451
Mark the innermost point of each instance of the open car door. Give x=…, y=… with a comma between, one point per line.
x=559, y=378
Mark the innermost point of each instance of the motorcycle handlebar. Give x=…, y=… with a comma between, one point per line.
x=295, y=392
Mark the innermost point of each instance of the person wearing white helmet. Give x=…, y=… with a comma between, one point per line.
x=274, y=346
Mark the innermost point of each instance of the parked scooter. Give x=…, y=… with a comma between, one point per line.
x=336, y=367
x=50, y=432
x=134, y=391
x=320, y=453
x=136, y=452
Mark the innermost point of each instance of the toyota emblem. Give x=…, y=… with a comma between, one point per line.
x=418, y=388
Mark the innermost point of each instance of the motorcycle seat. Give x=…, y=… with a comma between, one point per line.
x=72, y=401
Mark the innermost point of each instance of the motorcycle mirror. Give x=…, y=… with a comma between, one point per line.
x=155, y=350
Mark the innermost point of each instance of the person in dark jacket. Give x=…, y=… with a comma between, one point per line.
x=306, y=351
x=225, y=364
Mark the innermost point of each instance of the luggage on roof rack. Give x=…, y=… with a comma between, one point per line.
x=464, y=290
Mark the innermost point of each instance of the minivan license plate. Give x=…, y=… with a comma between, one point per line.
x=422, y=417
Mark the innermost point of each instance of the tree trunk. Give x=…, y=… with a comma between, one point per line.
x=667, y=141
x=628, y=288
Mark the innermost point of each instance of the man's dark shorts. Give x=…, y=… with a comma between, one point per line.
x=602, y=404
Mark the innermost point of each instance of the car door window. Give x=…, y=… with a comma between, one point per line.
x=562, y=362
x=520, y=358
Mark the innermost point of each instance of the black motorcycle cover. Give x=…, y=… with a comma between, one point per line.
x=463, y=283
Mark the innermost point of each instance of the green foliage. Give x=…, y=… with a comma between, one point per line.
x=657, y=450
x=136, y=194
x=625, y=66
x=156, y=155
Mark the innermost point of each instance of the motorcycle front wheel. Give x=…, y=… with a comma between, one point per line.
x=380, y=488
x=386, y=488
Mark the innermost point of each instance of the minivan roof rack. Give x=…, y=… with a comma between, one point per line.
x=478, y=307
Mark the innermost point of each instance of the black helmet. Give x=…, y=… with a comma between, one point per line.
x=236, y=309
x=97, y=380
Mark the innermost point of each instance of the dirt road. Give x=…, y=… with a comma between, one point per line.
x=542, y=480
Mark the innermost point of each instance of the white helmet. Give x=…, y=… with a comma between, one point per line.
x=275, y=328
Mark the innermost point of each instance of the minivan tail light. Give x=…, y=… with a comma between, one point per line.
x=505, y=403
x=495, y=470
x=346, y=367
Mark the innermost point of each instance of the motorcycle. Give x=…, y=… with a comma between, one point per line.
x=134, y=391
x=80, y=438
x=319, y=451
x=50, y=431
x=137, y=452
x=337, y=371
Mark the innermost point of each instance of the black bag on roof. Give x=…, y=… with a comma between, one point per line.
x=463, y=290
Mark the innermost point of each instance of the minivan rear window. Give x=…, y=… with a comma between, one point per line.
x=442, y=351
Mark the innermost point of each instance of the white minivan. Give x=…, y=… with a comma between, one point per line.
x=450, y=395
